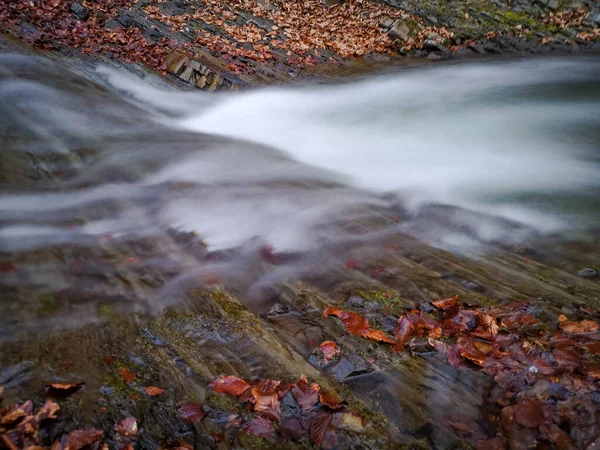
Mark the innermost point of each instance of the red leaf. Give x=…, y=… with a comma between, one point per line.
x=306, y=396
x=127, y=374
x=496, y=443
x=127, y=426
x=109, y=359
x=322, y=433
x=229, y=385
x=261, y=427
x=445, y=303
x=329, y=351
x=80, y=438
x=354, y=322
x=191, y=412
x=153, y=390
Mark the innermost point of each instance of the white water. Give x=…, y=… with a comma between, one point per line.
x=509, y=140
x=458, y=135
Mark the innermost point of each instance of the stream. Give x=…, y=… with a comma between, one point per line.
x=120, y=197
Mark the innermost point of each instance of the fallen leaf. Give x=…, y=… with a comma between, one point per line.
x=468, y=350
x=267, y=400
x=322, y=433
x=354, y=322
x=445, y=303
x=62, y=389
x=528, y=413
x=378, y=336
x=48, y=411
x=229, y=385
x=306, y=396
x=127, y=374
x=260, y=427
x=349, y=421
x=402, y=332
x=127, y=426
x=330, y=400
x=585, y=326
x=153, y=390
x=191, y=412
x=80, y=438
x=291, y=429
x=451, y=353
x=329, y=351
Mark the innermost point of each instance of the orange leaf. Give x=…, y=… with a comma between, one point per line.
x=585, y=326
x=445, y=303
x=329, y=351
x=378, y=336
x=127, y=374
x=153, y=390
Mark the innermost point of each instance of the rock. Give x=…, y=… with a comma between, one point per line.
x=188, y=75
x=434, y=56
x=432, y=45
x=550, y=4
x=593, y=18
x=355, y=301
x=588, y=272
x=399, y=30
x=79, y=11
x=176, y=63
x=386, y=22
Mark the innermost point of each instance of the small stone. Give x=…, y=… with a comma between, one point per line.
x=195, y=65
x=176, y=63
x=593, y=18
x=188, y=75
x=355, y=301
x=588, y=272
x=79, y=11
x=201, y=82
x=433, y=36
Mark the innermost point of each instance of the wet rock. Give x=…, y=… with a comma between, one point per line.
x=433, y=45
x=79, y=11
x=545, y=389
x=348, y=367
x=550, y=4
x=592, y=18
x=588, y=272
x=16, y=374
x=355, y=301
x=176, y=62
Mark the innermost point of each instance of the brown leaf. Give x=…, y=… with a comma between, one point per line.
x=229, y=385
x=322, y=433
x=469, y=350
x=260, y=427
x=451, y=353
x=529, y=413
x=402, y=332
x=445, y=303
x=585, y=326
x=329, y=351
x=127, y=426
x=191, y=412
x=153, y=390
x=267, y=400
x=80, y=438
x=306, y=396
x=127, y=374
x=13, y=412
x=496, y=443
x=48, y=411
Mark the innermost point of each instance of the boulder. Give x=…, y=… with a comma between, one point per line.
x=399, y=30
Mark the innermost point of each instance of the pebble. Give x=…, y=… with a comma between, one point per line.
x=588, y=272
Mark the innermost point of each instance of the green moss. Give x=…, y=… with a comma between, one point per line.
x=48, y=305
x=222, y=402
x=230, y=306
x=388, y=299
x=517, y=18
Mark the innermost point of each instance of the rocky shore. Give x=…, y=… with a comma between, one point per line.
x=235, y=43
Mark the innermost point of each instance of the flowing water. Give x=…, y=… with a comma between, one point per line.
x=252, y=211
x=461, y=157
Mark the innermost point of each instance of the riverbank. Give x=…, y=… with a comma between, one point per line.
x=234, y=44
